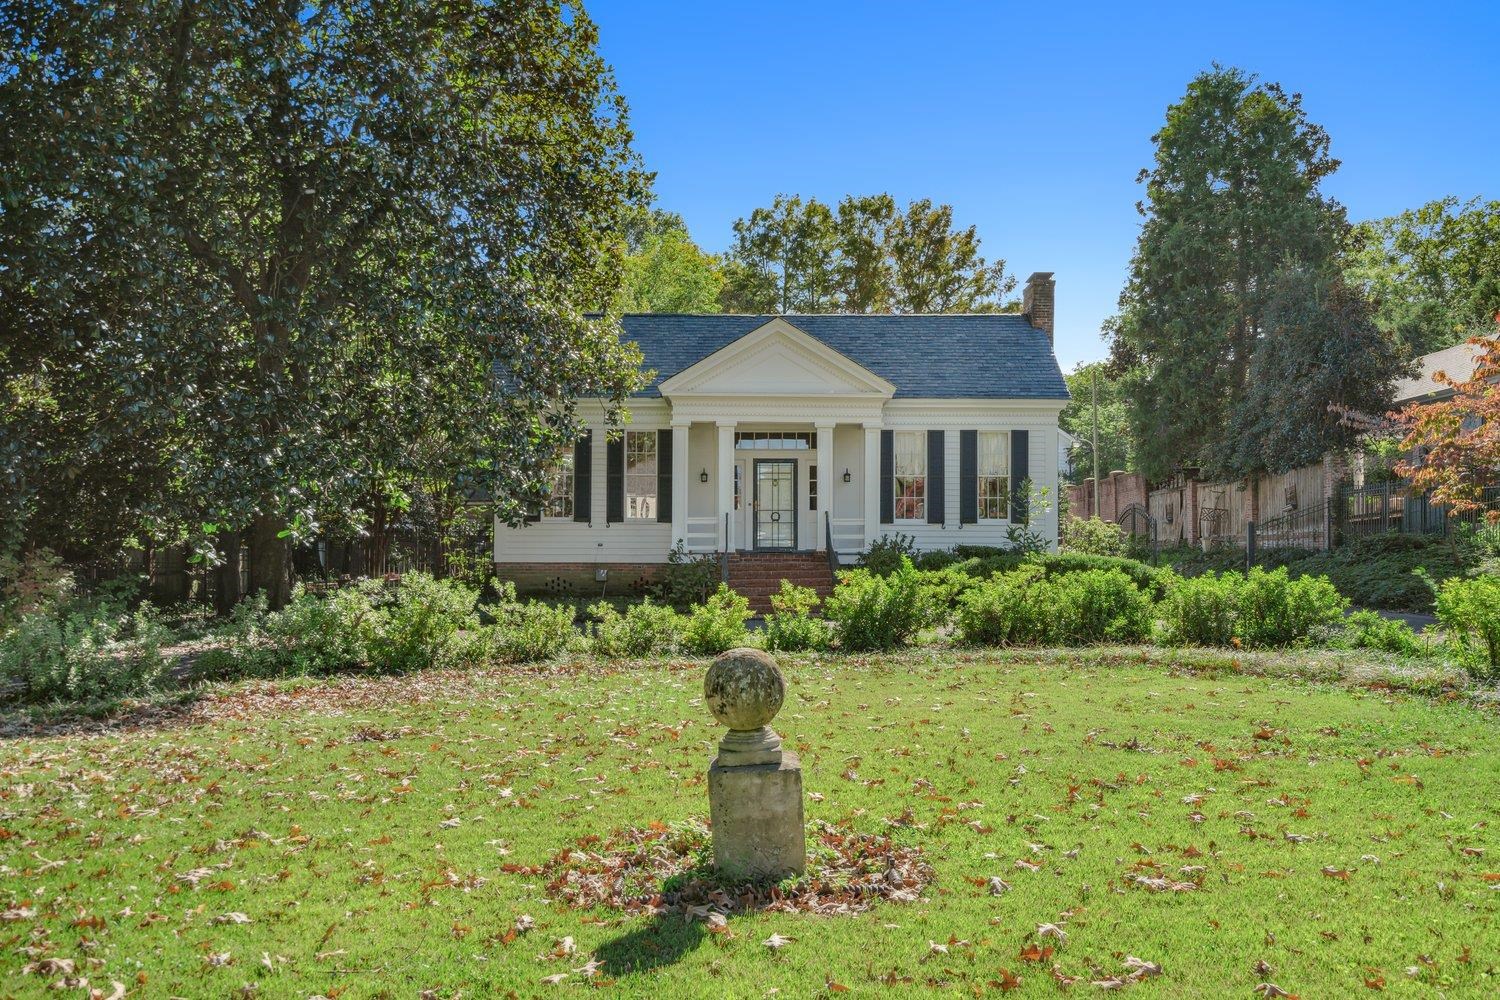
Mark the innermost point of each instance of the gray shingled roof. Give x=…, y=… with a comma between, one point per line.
x=1457, y=362
x=979, y=356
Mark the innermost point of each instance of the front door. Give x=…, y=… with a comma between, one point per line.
x=775, y=506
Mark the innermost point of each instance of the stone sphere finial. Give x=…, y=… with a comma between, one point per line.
x=744, y=689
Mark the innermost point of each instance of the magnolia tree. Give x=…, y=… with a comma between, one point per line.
x=278, y=262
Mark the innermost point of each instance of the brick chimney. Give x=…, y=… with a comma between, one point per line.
x=1037, y=301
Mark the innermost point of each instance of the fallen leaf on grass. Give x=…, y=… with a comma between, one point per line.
x=777, y=941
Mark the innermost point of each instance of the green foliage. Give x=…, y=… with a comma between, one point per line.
x=313, y=634
x=1319, y=355
x=30, y=583
x=1009, y=609
x=1368, y=630
x=419, y=628
x=792, y=625
x=643, y=630
x=874, y=612
x=1470, y=613
x=1202, y=610
x=1231, y=200
x=665, y=271
x=868, y=256
x=1148, y=579
x=717, y=624
x=1097, y=606
x=1093, y=536
x=84, y=652
x=1277, y=610
x=270, y=263
x=1116, y=446
x=688, y=579
x=1433, y=270
x=526, y=633
x=886, y=554
x=1379, y=571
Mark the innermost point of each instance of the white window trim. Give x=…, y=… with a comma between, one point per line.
x=979, y=475
x=926, y=477
x=654, y=494
x=572, y=489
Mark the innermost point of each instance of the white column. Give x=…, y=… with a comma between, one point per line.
x=726, y=482
x=872, y=484
x=680, y=474
x=825, y=486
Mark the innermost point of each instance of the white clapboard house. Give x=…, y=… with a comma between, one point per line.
x=769, y=439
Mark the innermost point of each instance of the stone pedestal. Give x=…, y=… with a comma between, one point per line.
x=754, y=786
x=756, y=810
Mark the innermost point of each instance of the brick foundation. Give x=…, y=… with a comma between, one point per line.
x=577, y=579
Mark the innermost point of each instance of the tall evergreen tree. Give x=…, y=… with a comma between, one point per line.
x=1232, y=201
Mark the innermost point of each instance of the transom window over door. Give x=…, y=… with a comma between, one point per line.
x=994, y=475
x=909, y=475
x=640, y=475
x=560, y=482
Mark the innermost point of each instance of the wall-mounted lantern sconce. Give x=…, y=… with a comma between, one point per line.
x=848, y=478
x=703, y=476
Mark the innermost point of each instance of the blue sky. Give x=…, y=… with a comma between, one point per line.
x=1032, y=120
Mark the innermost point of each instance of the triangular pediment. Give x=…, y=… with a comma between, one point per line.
x=777, y=359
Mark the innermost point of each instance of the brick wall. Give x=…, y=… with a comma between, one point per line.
x=1117, y=492
x=577, y=579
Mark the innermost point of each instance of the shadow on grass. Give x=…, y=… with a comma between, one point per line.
x=659, y=942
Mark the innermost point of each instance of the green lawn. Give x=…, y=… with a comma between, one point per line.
x=350, y=837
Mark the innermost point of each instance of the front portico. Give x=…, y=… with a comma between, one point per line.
x=764, y=431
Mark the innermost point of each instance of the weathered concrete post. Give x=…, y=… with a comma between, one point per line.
x=754, y=786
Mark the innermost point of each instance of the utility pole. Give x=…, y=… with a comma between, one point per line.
x=1094, y=385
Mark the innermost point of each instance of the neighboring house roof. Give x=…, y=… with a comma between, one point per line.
x=972, y=356
x=1457, y=362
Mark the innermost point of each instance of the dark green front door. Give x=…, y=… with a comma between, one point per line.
x=775, y=506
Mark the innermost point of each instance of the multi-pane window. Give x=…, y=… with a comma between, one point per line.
x=994, y=475
x=776, y=440
x=910, y=475
x=640, y=475
x=737, y=487
x=812, y=487
x=560, y=483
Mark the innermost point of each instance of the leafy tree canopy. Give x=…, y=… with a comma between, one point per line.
x=864, y=256
x=1433, y=272
x=1232, y=206
x=1116, y=446
x=295, y=246
x=665, y=271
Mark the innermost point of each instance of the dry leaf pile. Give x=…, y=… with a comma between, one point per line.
x=667, y=869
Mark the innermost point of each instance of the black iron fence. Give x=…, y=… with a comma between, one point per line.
x=1361, y=511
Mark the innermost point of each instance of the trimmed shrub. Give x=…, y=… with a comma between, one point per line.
x=1277, y=610
x=937, y=559
x=872, y=612
x=1093, y=536
x=1202, y=610
x=791, y=625
x=1010, y=609
x=84, y=653
x=644, y=629
x=419, y=627
x=526, y=633
x=885, y=554
x=717, y=624
x=1470, y=613
x=688, y=579
x=1100, y=605
x=1149, y=579
x=1367, y=630
x=312, y=635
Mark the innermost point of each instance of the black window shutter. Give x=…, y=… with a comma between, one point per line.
x=968, y=477
x=887, y=475
x=664, y=476
x=614, y=480
x=937, y=503
x=583, y=477
x=1020, y=473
